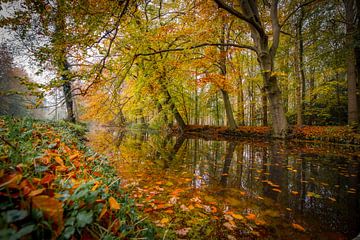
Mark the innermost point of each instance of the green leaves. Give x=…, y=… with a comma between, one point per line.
x=14, y=215
x=83, y=218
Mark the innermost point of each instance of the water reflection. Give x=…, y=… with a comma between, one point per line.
x=315, y=185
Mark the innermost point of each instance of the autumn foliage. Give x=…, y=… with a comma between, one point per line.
x=52, y=186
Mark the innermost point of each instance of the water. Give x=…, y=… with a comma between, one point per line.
x=273, y=184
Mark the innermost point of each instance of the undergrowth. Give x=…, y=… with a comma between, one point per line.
x=52, y=186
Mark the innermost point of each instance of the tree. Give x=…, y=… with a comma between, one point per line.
x=250, y=14
x=352, y=78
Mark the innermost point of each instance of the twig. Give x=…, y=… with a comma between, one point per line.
x=8, y=143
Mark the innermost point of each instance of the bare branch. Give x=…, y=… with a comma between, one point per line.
x=233, y=11
x=295, y=10
x=199, y=46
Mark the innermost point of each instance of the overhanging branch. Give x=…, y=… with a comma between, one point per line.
x=199, y=46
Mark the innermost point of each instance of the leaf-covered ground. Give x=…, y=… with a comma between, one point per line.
x=335, y=134
x=54, y=187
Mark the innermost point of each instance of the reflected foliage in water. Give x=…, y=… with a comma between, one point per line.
x=280, y=182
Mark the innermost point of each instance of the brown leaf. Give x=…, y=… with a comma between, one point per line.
x=51, y=208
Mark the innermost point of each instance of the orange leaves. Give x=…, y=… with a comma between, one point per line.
x=298, y=227
x=51, y=208
x=251, y=216
x=47, y=179
x=114, y=205
x=36, y=192
x=11, y=181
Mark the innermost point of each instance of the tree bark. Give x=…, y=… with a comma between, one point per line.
x=266, y=55
x=240, y=103
x=174, y=110
x=353, y=108
x=229, y=113
x=299, y=65
x=228, y=108
x=61, y=59
x=264, y=107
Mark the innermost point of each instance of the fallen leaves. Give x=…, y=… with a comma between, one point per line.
x=114, y=205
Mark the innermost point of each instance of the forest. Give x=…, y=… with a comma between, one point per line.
x=170, y=119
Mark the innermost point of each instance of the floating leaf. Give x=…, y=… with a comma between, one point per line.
x=298, y=227
x=332, y=199
x=114, y=205
x=276, y=190
x=312, y=194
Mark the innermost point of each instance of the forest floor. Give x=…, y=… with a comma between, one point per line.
x=335, y=134
x=52, y=186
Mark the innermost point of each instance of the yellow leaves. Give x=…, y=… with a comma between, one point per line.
x=59, y=160
x=298, y=227
x=234, y=215
x=165, y=221
x=114, y=205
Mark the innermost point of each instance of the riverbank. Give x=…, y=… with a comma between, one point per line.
x=52, y=186
x=334, y=134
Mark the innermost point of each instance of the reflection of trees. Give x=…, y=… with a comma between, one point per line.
x=228, y=158
x=204, y=158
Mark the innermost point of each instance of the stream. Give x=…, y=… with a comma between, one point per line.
x=251, y=188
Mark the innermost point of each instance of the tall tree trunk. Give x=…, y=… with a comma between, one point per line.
x=228, y=108
x=264, y=107
x=69, y=101
x=299, y=112
x=229, y=113
x=240, y=103
x=353, y=108
x=266, y=55
x=175, y=111
x=299, y=68
x=61, y=59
